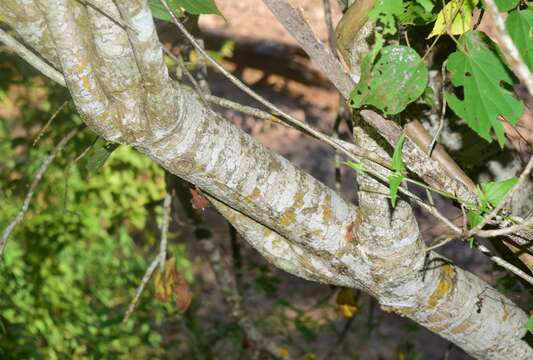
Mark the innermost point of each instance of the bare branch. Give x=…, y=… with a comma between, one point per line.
x=147, y=275
x=508, y=230
x=293, y=20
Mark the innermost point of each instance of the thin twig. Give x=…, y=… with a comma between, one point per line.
x=508, y=230
x=249, y=110
x=525, y=174
x=147, y=275
x=516, y=62
x=167, y=202
x=504, y=264
x=48, y=123
x=445, y=241
x=36, y=180
x=442, y=112
x=329, y=25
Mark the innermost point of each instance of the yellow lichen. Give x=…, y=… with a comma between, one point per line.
x=288, y=217
x=86, y=82
x=462, y=328
x=326, y=210
x=256, y=193
x=298, y=199
x=445, y=285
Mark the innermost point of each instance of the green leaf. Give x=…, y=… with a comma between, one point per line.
x=455, y=16
x=159, y=11
x=417, y=12
x=397, y=78
x=519, y=24
x=356, y=166
x=386, y=11
x=395, y=181
x=199, y=7
x=397, y=162
x=195, y=7
x=494, y=192
x=529, y=324
x=479, y=69
x=506, y=5
x=98, y=155
x=474, y=218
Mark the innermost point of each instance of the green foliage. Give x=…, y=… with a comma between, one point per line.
x=529, y=324
x=506, y=5
x=395, y=180
x=492, y=193
x=519, y=24
x=195, y=7
x=418, y=12
x=479, y=69
x=159, y=11
x=386, y=11
x=99, y=153
x=397, y=78
x=69, y=272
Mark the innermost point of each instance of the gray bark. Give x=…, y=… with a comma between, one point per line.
x=122, y=90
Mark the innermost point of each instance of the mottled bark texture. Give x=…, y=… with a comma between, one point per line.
x=122, y=90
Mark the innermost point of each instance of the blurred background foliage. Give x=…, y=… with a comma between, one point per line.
x=72, y=266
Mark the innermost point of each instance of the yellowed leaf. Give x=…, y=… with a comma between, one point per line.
x=456, y=15
x=347, y=301
x=172, y=282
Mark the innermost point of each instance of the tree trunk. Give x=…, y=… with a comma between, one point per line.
x=112, y=63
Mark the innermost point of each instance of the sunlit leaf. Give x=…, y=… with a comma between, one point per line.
x=479, y=69
x=506, y=5
x=455, y=16
x=397, y=162
x=397, y=78
x=494, y=192
x=385, y=11
x=519, y=24
x=394, y=183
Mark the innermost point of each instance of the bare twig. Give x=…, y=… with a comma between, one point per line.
x=508, y=230
x=48, y=123
x=329, y=25
x=36, y=180
x=515, y=60
x=442, y=112
x=293, y=19
x=167, y=202
x=504, y=264
x=147, y=275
